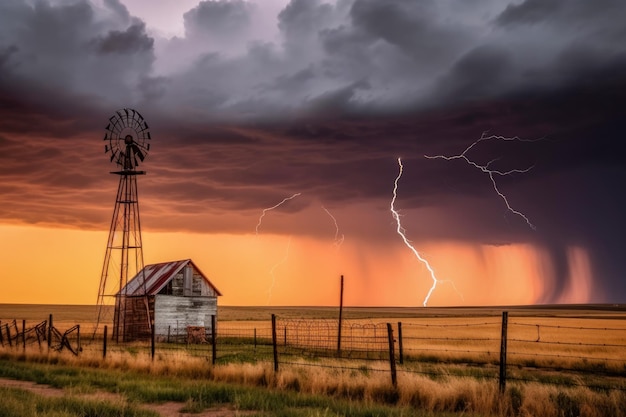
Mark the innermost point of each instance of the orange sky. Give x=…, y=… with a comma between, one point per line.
x=306, y=271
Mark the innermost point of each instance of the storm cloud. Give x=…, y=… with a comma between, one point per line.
x=322, y=98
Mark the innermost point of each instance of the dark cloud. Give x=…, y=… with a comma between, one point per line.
x=218, y=19
x=131, y=41
x=325, y=106
x=304, y=19
x=482, y=72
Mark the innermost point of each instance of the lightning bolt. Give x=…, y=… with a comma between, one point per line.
x=492, y=172
x=401, y=231
x=338, y=240
x=282, y=261
x=272, y=208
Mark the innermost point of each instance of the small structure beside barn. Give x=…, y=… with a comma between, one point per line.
x=177, y=299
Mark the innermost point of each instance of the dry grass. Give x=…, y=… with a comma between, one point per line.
x=576, y=339
x=369, y=385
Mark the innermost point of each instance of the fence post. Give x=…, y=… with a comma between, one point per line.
x=400, y=349
x=274, y=343
x=213, y=339
x=392, y=359
x=9, y=335
x=340, y=317
x=78, y=348
x=24, y=335
x=50, y=331
x=169, y=328
x=255, y=339
x=1, y=337
x=104, y=343
x=503, y=338
x=152, y=340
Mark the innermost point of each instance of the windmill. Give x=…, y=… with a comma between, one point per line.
x=127, y=142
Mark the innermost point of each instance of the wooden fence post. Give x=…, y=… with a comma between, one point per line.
x=78, y=347
x=104, y=343
x=50, y=331
x=392, y=359
x=340, y=317
x=24, y=335
x=152, y=341
x=400, y=348
x=213, y=339
x=9, y=335
x=1, y=337
x=503, y=338
x=274, y=344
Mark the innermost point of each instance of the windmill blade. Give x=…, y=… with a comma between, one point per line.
x=113, y=154
x=106, y=148
x=137, y=151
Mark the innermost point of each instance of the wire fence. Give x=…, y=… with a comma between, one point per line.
x=567, y=351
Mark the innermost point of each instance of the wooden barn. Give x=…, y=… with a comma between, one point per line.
x=179, y=300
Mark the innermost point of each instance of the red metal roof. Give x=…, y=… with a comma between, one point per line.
x=156, y=276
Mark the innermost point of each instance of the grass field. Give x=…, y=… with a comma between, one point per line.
x=562, y=360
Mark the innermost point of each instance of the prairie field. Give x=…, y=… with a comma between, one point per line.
x=559, y=361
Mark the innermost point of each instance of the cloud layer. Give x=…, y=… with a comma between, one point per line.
x=248, y=107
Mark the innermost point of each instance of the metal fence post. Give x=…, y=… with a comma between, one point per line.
x=274, y=344
x=503, y=338
x=392, y=359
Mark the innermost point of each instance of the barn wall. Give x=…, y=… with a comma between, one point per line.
x=131, y=315
x=194, y=285
x=176, y=313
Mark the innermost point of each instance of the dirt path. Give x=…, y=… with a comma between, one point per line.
x=168, y=409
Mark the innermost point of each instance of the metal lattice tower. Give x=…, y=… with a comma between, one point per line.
x=127, y=140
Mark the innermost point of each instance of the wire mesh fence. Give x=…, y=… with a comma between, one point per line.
x=556, y=350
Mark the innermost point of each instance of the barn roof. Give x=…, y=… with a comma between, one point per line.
x=157, y=276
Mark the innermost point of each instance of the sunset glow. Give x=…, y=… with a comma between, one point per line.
x=240, y=265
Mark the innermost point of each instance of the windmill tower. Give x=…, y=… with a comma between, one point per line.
x=127, y=142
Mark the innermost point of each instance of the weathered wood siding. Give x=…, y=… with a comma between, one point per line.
x=188, y=282
x=173, y=314
x=132, y=315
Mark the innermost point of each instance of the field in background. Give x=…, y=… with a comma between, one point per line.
x=75, y=314
x=447, y=359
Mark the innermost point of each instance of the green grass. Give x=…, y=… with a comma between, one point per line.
x=193, y=394
x=21, y=403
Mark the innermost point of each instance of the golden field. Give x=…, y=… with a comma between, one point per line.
x=560, y=358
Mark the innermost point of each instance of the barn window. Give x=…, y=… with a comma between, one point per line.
x=167, y=290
